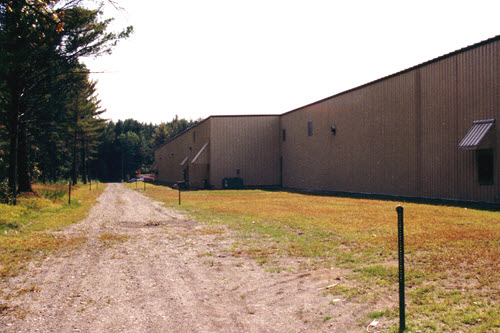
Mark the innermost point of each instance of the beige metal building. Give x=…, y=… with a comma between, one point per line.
x=426, y=132
x=245, y=147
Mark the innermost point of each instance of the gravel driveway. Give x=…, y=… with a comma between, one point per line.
x=145, y=268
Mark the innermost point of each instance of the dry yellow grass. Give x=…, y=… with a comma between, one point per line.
x=111, y=239
x=452, y=253
x=26, y=229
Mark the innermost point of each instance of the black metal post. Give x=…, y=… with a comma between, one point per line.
x=401, y=253
x=144, y=185
x=179, y=195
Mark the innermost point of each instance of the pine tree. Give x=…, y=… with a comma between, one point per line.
x=41, y=43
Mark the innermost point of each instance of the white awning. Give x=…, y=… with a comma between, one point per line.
x=184, y=160
x=200, y=153
x=476, y=134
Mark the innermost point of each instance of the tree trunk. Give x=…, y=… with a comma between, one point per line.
x=11, y=27
x=23, y=171
x=52, y=159
x=74, y=175
x=84, y=161
x=13, y=136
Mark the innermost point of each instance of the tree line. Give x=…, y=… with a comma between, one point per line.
x=126, y=148
x=52, y=124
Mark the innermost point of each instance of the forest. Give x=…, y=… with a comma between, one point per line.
x=53, y=127
x=126, y=148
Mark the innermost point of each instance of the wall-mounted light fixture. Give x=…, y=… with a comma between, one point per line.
x=333, y=129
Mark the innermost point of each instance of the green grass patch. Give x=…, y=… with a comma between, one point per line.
x=379, y=271
x=54, y=193
x=376, y=314
x=26, y=230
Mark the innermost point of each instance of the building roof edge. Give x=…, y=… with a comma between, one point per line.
x=445, y=56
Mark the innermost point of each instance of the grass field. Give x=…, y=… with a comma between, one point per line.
x=452, y=254
x=26, y=230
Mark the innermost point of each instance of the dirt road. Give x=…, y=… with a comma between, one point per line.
x=144, y=268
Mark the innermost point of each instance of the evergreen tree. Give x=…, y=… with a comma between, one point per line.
x=41, y=43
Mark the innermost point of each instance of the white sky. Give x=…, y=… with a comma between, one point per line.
x=196, y=58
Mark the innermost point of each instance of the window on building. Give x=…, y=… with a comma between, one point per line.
x=284, y=135
x=485, y=170
x=309, y=128
x=194, y=136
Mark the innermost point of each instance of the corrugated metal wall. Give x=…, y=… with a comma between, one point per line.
x=478, y=97
x=372, y=150
x=249, y=144
x=170, y=156
x=396, y=136
x=400, y=135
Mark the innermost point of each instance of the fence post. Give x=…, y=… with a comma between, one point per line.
x=401, y=258
x=179, y=195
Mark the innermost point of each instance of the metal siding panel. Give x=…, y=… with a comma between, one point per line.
x=199, y=173
x=495, y=52
x=170, y=169
x=371, y=154
x=478, y=97
x=247, y=143
x=438, y=133
x=202, y=156
x=397, y=136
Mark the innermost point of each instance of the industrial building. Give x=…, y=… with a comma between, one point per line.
x=245, y=147
x=425, y=132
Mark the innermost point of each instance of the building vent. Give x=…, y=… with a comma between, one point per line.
x=476, y=134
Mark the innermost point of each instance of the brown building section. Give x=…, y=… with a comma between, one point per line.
x=370, y=150
x=245, y=147
x=174, y=160
x=399, y=136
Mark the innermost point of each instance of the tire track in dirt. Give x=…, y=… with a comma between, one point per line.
x=145, y=268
